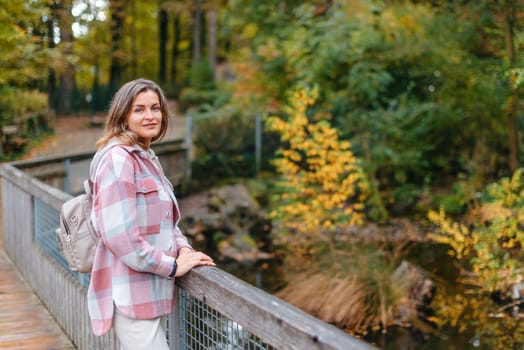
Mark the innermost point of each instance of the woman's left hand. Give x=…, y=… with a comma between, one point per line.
x=184, y=250
x=189, y=259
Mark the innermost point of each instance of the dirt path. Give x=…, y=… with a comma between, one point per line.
x=72, y=134
x=75, y=135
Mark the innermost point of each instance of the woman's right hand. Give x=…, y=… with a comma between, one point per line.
x=186, y=261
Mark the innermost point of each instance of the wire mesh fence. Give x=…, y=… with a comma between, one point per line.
x=204, y=328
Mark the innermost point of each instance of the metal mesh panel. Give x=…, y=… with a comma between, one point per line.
x=204, y=328
x=46, y=222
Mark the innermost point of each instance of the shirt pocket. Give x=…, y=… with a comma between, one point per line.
x=149, y=205
x=145, y=185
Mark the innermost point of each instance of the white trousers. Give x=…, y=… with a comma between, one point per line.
x=139, y=334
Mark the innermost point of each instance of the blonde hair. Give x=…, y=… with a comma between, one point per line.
x=120, y=108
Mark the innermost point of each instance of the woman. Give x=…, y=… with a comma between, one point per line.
x=141, y=247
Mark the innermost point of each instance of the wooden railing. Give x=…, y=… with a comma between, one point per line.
x=67, y=172
x=215, y=309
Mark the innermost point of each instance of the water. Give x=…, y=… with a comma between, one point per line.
x=399, y=338
x=476, y=320
x=472, y=313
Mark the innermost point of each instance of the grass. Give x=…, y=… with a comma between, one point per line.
x=355, y=290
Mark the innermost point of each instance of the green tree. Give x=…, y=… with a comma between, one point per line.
x=499, y=35
x=162, y=39
x=23, y=54
x=25, y=57
x=409, y=84
x=118, y=13
x=94, y=56
x=67, y=72
x=509, y=9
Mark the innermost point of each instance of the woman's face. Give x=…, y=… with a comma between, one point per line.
x=145, y=118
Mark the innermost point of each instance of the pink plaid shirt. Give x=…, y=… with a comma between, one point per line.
x=137, y=214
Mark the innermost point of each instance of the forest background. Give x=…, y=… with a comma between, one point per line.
x=375, y=111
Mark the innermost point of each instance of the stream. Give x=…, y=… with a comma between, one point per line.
x=474, y=328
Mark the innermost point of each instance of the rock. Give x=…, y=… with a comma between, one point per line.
x=419, y=291
x=243, y=256
x=227, y=220
x=517, y=291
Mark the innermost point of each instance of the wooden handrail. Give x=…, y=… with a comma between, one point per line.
x=160, y=149
x=275, y=321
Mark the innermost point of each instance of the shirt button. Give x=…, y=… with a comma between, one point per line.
x=168, y=214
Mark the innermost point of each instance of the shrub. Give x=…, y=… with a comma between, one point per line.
x=225, y=144
x=17, y=102
x=490, y=241
x=323, y=188
x=192, y=98
x=201, y=76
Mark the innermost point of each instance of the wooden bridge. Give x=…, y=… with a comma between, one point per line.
x=25, y=324
x=214, y=310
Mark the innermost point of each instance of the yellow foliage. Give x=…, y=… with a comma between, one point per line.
x=324, y=187
x=250, y=31
x=492, y=246
x=472, y=310
x=404, y=21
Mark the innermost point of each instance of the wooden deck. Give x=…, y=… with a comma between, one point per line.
x=25, y=324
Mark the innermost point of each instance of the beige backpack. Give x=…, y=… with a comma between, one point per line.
x=77, y=237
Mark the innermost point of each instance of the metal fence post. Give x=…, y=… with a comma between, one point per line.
x=189, y=146
x=258, y=141
x=173, y=322
x=67, y=180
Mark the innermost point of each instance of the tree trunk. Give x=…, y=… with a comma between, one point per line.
x=117, y=8
x=98, y=102
x=197, y=29
x=212, y=38
x=162, y=38
x=67, y=77
x=134, y=50
x=51, y=75
x=512, y=123
x=175, y=49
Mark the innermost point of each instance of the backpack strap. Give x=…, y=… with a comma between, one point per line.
x=93, y=166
